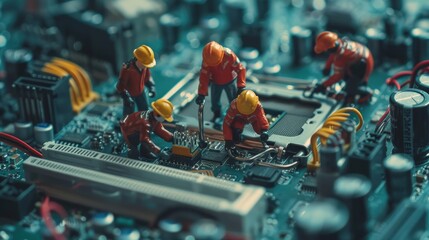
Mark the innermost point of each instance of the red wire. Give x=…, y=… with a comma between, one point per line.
x=45, y=212
x=21, y=144
x=394, y=79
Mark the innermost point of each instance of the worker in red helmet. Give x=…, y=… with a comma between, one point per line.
x=243, y=110
x=136, y=129
x=352, y=62
x=133, y=78
x=221, y=69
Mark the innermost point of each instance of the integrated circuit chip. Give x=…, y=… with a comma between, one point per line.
x=98, y=110
x=309, y=184
x=262, y=176
x=75, y=138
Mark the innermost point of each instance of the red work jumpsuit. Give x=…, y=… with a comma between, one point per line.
x=352, y=62
x=234, y=121
x=133, y=80
x=222, y=78
x=136, y=128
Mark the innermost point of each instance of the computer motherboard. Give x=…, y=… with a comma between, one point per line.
x=334, y=163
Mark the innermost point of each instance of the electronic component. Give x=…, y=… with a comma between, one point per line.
x=301, y=45
x=329, y=170
x=75, y=138
x=185, y=148
x=16, y=198
x=422, y=82
x=316, y=221
x=309, y=184
x=214, y=156
x=240, y=207
x=41, y=100
x=43, y=132
x=97, y=109
x=409, y=219
x=408, y=109
x=367, y=156
x=262, y=176
x=399, y=185
x=353, y=191
x=23, y=130
x=16, y=62
x=420, y=45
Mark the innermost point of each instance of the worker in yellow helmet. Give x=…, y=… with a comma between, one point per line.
x=133, y=79
x=243, y=110
x=136, y=129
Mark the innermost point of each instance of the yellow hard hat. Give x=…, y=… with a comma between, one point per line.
x=213, y=54
x=325, y=41
x=164, y=108
x=144, y=54
x=247, y=102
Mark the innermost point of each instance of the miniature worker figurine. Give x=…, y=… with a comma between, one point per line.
x=136, y=129
x=222, y=69
x=245, y=109
x=134, y=76
x=352, y=62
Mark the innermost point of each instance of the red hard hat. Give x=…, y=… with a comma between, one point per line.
x=213, y=53
x=325, y=41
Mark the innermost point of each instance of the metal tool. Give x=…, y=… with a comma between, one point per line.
x=202, y=142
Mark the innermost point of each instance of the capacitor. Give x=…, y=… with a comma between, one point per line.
x=235, y=11
x=102, y=219
x=328, y=171
x=16, y=62
x=301, y=39
x=399, y=172
x=196, y=11
x=263, y=7
x=126, y=234
x=323, y=219
x=252, y=35
x=393, y=25
x=207, y=229
x=420, y=45
x=24, y=130
x=43, y=132
x=375, y=43
x=422, y=82
x=170, y=28
x=353, y=191
x=397, y=5
x=409, y=111
x=170, y=228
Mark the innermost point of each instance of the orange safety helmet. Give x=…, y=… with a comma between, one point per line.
x=213, y=54
x=164, y=108
x=144, y=54
x=247, y=102
x=325, y=41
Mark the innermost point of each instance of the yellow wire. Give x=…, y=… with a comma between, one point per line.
x=354, y=110
x=325, y=133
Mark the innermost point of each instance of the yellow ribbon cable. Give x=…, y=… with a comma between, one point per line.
x=75, y=75
x=324, y=134
x=354, y=110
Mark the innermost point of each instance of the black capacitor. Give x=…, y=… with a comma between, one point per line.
x=301, y=39
x=16, y=62
x=420, y=45
x=375, y=43
x=353, y=191
x=235, y=11
x=263, y=7
x=399, y=172
x=409, y=111
x=324, y=219
x=397, y=5
x=170, y=29
x=422, y=82
x=253, y=35
x=196, y=11
x=393, y=25
x=329, y=170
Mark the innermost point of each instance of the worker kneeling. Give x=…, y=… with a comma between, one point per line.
x=243, y=110
x=136, y=129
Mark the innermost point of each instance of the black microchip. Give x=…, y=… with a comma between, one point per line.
x=214, y=156
x=262, y=176
x=75, y=138
x=309, y=184
x=98, y=110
